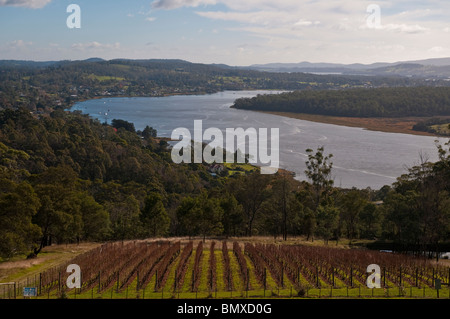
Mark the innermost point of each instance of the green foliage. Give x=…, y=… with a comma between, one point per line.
x=67, y=178
x=18, y=204
x=154, y=216
x=357, y=102
x=201, y=215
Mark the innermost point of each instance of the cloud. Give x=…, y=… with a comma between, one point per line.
x=95, y=46
x=33, y=4
x=400, y=28
x=175, y=4
x=436, y=49
x=19, y=44
x=150, y=19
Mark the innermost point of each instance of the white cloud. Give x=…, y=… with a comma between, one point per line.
x=437, y=49
x=175, y=4
x=33, y=4
x=19, y=44
x=95, y=46
x=150, y=19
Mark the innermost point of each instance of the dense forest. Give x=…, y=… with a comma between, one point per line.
x=68, y=178
x=357, y=102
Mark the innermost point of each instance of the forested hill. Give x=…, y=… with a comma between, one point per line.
x=375, y=102
x=66, y=178
x=43, y=86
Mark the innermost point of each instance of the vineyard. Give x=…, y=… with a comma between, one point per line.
x=221, y=269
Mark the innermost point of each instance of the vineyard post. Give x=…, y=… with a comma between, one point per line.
x=384, y=276
x=400, y=277
x=265, y=280
x=175, y=284
x=332, y=275
x=137, y=280
x=317, y=276
x=282, y=276
x=40, y=282
x=432, y=279
x=211, y=281
x=448, y=281
x=156, y=280
x=417, y=279
x=248, y=280
x=117, y=291
x=99, y=281
x=351, y=276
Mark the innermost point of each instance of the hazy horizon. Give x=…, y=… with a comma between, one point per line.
x=229, y=32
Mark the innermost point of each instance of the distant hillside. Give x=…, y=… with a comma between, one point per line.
x=433, y=68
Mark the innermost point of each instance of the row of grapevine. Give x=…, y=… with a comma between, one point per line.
x=242, y=264
x=196, y=273
x=212, y=267
x=227, y=277
x=182, y=265
x=121, y=265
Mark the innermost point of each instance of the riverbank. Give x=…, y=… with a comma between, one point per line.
x=388, y=125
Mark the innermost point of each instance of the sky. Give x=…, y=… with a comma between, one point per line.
x=233, y=32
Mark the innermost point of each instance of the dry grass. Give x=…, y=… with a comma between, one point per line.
x=49, y=257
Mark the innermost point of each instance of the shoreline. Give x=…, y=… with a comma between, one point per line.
x=401, y=125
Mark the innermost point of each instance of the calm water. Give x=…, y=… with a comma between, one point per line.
x=361, y=158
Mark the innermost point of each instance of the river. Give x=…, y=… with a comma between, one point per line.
x=361, y=158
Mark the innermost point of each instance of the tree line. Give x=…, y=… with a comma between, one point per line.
x=68, y=178
x=44, y=86
x=356, y=102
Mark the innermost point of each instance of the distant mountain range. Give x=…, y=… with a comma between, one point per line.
x=439, y=67
x=430, y=68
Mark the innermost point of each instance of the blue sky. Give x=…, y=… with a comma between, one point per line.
x=235, y=32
